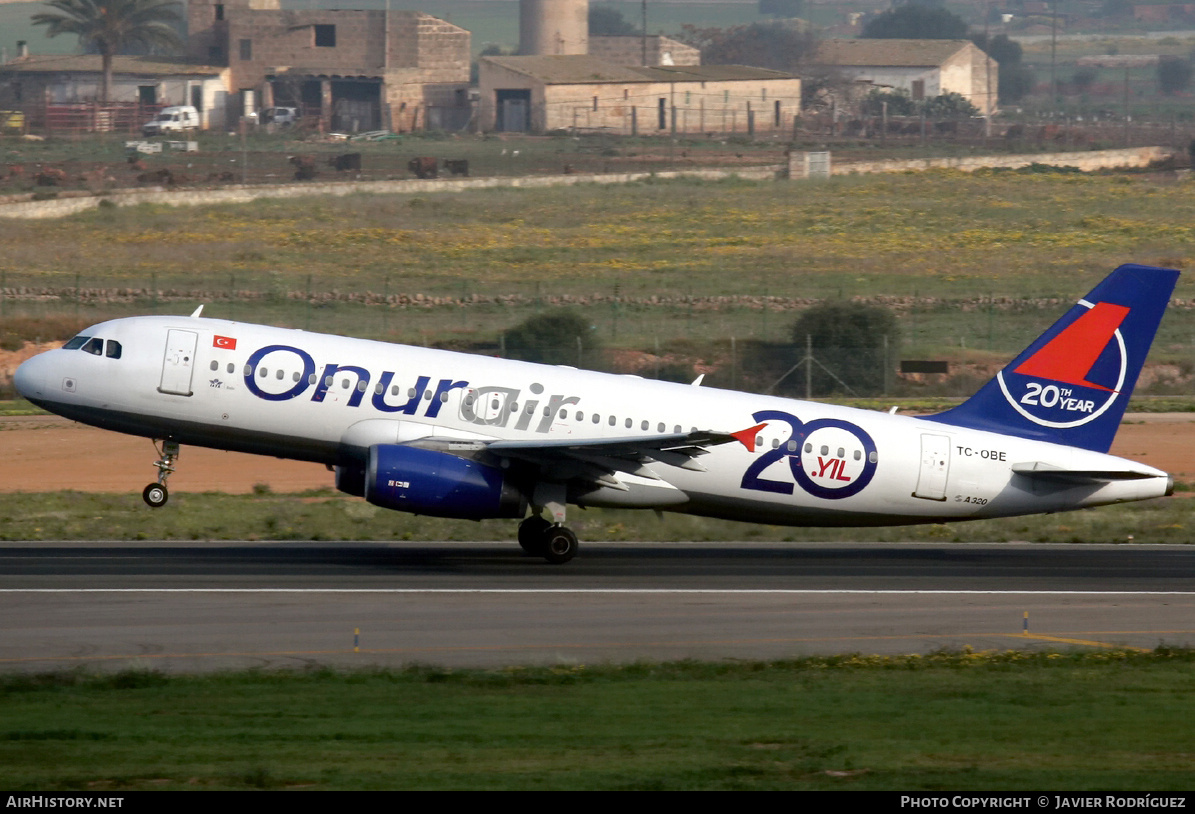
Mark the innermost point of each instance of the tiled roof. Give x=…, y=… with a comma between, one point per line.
x=887, y=53
x=85, y=63
x=583, y=69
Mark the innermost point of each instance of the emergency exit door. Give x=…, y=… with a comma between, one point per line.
x=179, y=362
x=935, y=467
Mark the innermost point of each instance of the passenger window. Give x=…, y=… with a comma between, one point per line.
x=248, y=370
x=361, y=386
x=76, y=343
x=660, y=427
x=279, y=374
x=613, y=420
x=231, y=368
x=644, y=426
x=113, y=349
x=262, y=372
x=215, y=365
x=94, y=346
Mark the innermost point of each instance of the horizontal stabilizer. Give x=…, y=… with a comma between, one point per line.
x=1040, y=469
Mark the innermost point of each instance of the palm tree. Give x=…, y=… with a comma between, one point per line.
x=111, y=26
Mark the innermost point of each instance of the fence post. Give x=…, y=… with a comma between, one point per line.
x=808, y=367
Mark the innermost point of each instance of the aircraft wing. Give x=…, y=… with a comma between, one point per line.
x=600, y=460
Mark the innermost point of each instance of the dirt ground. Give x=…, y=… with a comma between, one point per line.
x=48, y=453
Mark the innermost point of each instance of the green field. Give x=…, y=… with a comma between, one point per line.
x=329, y=516
x=974, y=265
x=1112, y=720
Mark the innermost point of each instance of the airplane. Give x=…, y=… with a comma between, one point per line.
x=456, y=435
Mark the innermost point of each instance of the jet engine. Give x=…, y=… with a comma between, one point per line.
x=423, y=481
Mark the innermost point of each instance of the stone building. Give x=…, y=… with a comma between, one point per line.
x=542, y=93
x=923, y=68
x=355, y=70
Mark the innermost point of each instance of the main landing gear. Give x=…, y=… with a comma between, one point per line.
x=540, y=538
x=156, y=494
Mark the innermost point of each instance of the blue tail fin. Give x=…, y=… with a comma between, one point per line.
x=1071, y=386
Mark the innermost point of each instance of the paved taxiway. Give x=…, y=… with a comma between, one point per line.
x=201, y=606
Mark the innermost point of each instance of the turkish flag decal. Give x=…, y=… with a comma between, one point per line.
x=226, y=342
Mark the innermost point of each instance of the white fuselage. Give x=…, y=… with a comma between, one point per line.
x=316, y=397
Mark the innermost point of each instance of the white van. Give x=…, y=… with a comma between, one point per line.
x=172, y=120
x=280, y=116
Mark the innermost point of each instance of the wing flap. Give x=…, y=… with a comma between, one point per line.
x=601, y=460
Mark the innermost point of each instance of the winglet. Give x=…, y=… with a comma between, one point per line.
x=197, y=312
x=747, y=437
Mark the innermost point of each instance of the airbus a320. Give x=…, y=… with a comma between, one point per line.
x=456, y=435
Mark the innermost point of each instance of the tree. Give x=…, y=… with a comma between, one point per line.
x=950, y=105
x=608, y=21
x=1015, y=78
x=779, y=46
x=1174, y=74
x=899, y=103
x=915, y=21
x=112, y=26
x=851, y=344
x=558, y=337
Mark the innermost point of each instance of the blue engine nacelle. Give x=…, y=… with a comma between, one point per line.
x=422, y=481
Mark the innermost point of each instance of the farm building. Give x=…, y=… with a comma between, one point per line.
x=354, y=69
x=579, y=92
x=923, y=68
x=59, y=92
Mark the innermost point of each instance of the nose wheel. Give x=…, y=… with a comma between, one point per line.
x=156, y=494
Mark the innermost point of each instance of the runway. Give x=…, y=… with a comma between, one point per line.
x=211, y=606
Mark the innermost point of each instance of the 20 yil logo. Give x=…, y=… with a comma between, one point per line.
x=1076, y=375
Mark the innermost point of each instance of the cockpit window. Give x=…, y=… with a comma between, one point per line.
x=113, y=349
x=95, y=345
x=76, y=343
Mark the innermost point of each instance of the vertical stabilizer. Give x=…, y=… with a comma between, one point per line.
x=1072, y=385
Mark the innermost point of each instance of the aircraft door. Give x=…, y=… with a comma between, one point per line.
x=935, y=467
x=178, y=363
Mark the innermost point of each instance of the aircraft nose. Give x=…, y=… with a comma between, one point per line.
x=30, y=377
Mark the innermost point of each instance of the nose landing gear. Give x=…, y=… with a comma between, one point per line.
x=156, y=494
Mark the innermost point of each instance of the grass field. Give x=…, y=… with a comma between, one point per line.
x=329, y=516
x=976, y=262
x=1112, y=720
